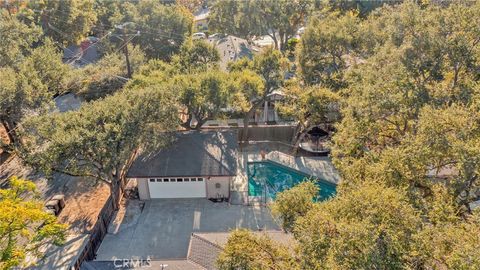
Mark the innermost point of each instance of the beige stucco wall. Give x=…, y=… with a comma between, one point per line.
x=213, y=191
x=143, y=192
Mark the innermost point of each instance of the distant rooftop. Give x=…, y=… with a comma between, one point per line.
x=232, y=48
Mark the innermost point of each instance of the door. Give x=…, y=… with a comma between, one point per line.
x=177, y=188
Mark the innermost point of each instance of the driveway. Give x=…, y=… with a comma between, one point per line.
x=162, y=230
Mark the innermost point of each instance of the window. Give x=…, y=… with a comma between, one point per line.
x=179, y=179
x=165, y=179
x=159, y=179
x=152, y=180
x=172, y=179
x=193, y=179
x=200, y=179
x=186, y=179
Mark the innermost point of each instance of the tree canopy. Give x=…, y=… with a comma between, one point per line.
x=102, y=138
x=278, y=19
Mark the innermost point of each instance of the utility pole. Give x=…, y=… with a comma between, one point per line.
x=127, y=59
x=125, y=47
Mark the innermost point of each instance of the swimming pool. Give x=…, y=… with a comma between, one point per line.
x=268, y=178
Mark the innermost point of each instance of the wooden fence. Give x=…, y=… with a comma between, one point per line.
x=269, y=133
x=100, y=228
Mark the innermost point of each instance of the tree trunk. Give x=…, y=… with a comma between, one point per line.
x=187, y=123
x=10, y=130
x=298, y=140
x=246, y=119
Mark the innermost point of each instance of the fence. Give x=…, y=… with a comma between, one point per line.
x=269, y=133
x=100, y=228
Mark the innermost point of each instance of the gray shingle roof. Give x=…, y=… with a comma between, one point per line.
x=193, y=153
x=231, y=48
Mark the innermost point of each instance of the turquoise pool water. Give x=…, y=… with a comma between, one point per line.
x=270, y=178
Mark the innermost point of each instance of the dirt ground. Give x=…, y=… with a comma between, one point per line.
x=83, y=197
x=83, y=205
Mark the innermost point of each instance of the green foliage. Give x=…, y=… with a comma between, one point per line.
x=25, y=227
x=101, y=138
x=294, y=203
x=202, y=94
x=311, y=107
x=196, y=56
x=163, y=28
x=247, y=251
x=17, y=39
x=66, y=21
x=278, y=19
x=30, y=85
x=106, y=76
x=365, y=227
x=410, y=114
x=328, y=48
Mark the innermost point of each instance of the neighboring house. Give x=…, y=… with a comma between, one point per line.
x=200, y=20
x=199, y=164
x=83, y=54
x=232, y=48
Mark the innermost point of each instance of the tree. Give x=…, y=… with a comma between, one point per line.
x=106, y=76
x=204, y=95
x=269, y=67
x=328, y=47
x=247, y=251
x=367, y=225
x=311, y=107
x=30, y=86
x=163, y=28
x=196, y=56
x=67, y=22
x=25, y=227
x=101, y=139
x=293, y=203
x=364, y=227
x=278, y=19
x=17, y=39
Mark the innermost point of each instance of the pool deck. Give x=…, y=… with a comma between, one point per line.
x=320, y=167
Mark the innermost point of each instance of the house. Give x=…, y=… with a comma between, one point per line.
x=200, y=20
x=232, y=48
x=199, y=164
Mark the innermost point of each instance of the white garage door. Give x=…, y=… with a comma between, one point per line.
x=177, y=188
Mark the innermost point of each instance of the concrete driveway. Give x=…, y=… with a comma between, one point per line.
x=162, y=230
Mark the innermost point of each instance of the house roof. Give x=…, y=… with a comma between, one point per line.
x=202, y=14
x=205, y=248
x=193, y=153
x=232, y=48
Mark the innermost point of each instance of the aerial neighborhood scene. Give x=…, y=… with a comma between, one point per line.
x=239, y=134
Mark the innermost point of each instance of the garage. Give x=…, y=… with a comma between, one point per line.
x=191, y=187
x=199, y=164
